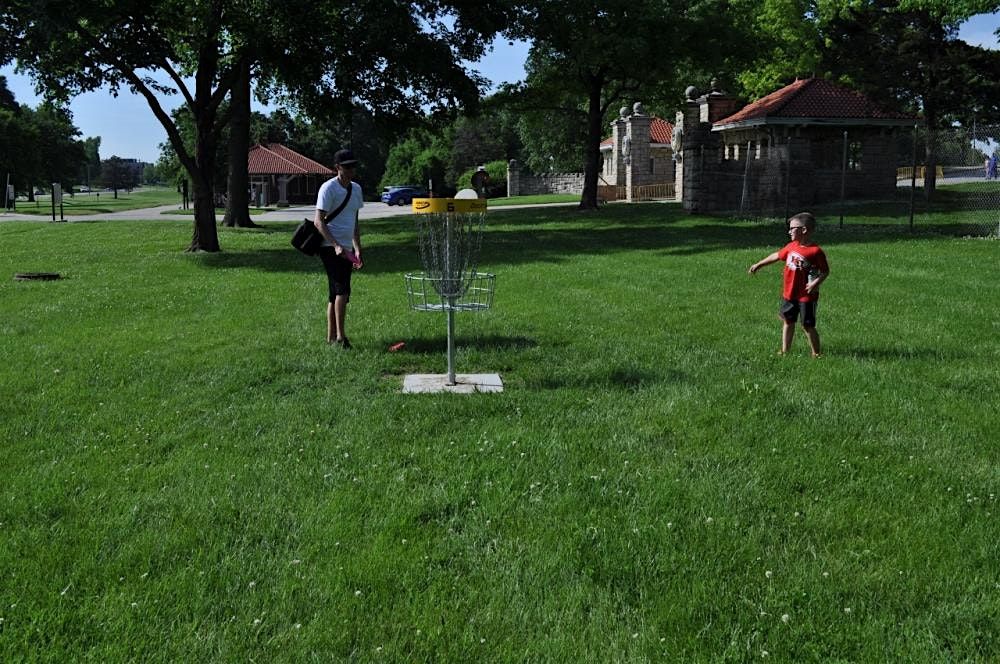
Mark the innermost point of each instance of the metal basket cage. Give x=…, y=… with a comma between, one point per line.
x=422, y=293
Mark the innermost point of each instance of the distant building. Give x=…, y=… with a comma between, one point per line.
x=279, y=175
x=785, y=151
x=639, y=150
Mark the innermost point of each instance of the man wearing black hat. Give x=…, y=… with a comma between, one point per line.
x=341, y=249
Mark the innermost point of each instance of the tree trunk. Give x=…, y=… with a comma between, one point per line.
x=238, y=198
x=206, y=236
x=592, y=154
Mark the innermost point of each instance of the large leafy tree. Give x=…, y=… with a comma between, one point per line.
x=18, y=161
x=907, y=54
x=388, y=60
x=589, y=55
x=420, y=159
x=38, y=146
x=61, y=154
x=71, y=47
x=325, y=57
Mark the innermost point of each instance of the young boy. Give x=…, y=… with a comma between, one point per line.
x=805, y=269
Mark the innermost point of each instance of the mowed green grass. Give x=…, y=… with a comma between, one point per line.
x=534, y=199
x=102, y=202
x=191, y=474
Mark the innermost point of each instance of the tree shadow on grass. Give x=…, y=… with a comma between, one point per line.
x=557, y=236
x=437, y=344
x=899, y=354
x=629, y=378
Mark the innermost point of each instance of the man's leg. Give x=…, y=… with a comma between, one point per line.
x=340, y=313
x=331, y=324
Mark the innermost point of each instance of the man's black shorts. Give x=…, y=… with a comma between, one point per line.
x=338, y=273
x=791, y=312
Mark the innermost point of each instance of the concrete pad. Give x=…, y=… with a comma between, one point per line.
x=465, y=383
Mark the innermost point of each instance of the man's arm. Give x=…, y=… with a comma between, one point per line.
x=357, y=240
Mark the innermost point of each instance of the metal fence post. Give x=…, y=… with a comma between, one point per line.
x=843, y=182
x=913, y=178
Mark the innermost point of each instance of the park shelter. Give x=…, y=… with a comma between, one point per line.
x=280, y=175
x=810, y=142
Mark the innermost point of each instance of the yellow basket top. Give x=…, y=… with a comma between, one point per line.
x=428, y=205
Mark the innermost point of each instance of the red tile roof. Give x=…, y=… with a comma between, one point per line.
x=276, y=159
x=660, y=131
x=812, y=98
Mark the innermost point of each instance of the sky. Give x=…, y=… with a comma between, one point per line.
x=128, y=128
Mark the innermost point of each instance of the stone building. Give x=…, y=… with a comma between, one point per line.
x=637, y=158
x=794, y=148
x=639, y=150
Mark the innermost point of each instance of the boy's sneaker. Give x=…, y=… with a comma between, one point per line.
x=344, y=343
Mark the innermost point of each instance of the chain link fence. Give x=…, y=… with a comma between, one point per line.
x=945, y=181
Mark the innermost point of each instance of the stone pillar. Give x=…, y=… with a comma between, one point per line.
x=698, y=154
x=618, y=133
x=513, y=178
x=283, y=189
x=638, y=170
x=717, y=105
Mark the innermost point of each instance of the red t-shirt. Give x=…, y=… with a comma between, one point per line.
x=802, y=263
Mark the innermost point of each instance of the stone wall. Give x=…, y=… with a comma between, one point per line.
x=523, y=184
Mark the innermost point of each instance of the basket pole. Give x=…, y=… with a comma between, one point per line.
x=451, y=342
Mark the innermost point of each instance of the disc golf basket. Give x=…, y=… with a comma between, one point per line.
x=449, y=234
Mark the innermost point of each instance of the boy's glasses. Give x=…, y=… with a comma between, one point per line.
x=792, y=229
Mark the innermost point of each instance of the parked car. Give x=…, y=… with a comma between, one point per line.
x=402, y=195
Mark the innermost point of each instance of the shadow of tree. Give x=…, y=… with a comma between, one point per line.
x=437, y=344
x=514, y=237
x=629, y=378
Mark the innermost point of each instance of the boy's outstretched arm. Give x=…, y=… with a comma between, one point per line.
x=767, y=260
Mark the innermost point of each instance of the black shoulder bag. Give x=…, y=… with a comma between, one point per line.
x=307, y=238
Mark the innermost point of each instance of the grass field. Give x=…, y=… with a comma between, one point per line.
x=534, y=199
x=102, y=202
x=190, y=474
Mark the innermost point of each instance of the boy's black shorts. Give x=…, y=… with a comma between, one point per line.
x=791, y=311
x=338, y=273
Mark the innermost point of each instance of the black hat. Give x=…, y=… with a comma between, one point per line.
x=344, y=158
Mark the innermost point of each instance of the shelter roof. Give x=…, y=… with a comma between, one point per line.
x=813, y=101
x=661, y=132
x=276, y=159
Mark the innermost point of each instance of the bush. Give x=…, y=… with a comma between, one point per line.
x=497, y=186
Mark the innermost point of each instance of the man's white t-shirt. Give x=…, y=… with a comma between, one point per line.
x=331, y=195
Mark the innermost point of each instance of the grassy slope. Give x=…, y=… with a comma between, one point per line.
x=191, y=474
x=94, y=203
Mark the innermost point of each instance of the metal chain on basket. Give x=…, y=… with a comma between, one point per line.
x=449, y=249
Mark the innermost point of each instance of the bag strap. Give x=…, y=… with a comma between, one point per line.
x=343, y=204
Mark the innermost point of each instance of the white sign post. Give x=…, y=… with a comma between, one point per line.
x=57, y=199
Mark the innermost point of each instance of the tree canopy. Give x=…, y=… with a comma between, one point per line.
x=328, y=62
x=589, y=55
